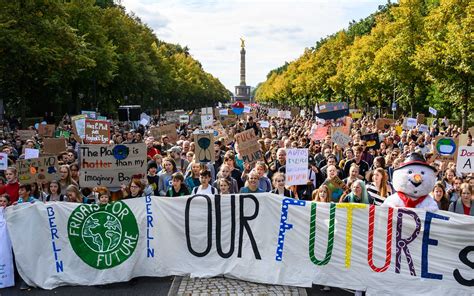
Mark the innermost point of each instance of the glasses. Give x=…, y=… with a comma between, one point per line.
x=134, y=186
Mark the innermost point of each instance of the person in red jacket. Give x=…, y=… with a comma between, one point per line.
x=12, y=186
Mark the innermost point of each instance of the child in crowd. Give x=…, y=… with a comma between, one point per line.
x=103, y=195
x=55, y=192
x=24, y=193
x=4, y=201
x=153, y=178
x=12, y=186
x=321, y=194
x=204, y=188
x=224, y=185
x=178, y=188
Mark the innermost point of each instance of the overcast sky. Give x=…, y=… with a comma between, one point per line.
x=274, y=31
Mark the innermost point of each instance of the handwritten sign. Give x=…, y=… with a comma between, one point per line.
x=111, y=165
x=223, y=112
x=26, y=134
x=384, y=123
x=465, y=160
x=296, y=167
x=284, y=114
x=249, y=148
x=46, y=130
x=272, y=112
x=341, y=139
x=168, y=130
x=97, y=132
x=409, y=123
x=445, y=149
x=206, y=121
x=318, y=132
x=3, y=161
x=41, y=170
x=264, y=124
x=54, y=145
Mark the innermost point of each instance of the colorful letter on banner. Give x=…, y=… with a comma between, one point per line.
x=296, y=167
x=264, y=237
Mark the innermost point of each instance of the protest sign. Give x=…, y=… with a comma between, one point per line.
x=247, y=109
x=31, y=153
x=445, y=149
x=284, y=114
x=184, y=119
x=372, y=140
x=272, y=112
x=7, y=276
x=335, y=186
x=399, y=129
x=78, y=127
x=206, y=111
x=384, y=123
x=318, y=132
x=206, y=121
x=282, y=241
x=168, y=130
x=433, y=111
x=89, y=114
x=302, y=113
x=264, y=124
x=228, y=120
x=296, y=167
x=219, y=131
x=465, y=160
x=341, y=139
x=223, y=112
x=471, y=131
x=249, y=149
x=409, y=123
x=204, y=149
x=46, y=130
x=62, y=134
x=54, y=145
x=463, y=139
x=143, y=121
x=26, y=134
x=145, y=118
x=420, y=118
x=41, y=169
x=423, y=128
x=97, y=132
x=3, y=161
x=111, y=165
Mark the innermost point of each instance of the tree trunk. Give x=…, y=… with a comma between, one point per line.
x=466, y=95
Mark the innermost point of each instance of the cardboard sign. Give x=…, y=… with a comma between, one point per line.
x=3, y=161
x=229, y=120
x=372, y=140
x=445, y=149
x=111, y=165
x=204, y=149
x=31, y=153
x=248, y=146
x=78, y=127
x=341, y=139
x=433, y=111
x=41, y=170
x=471, y=131
x=168, y=130
x=335, y=186
x=420, y=118
x=26, y=134
x=46, y=130
x=465, y=160
x=97, y=132
x=54, y=145
x=318, y=132
x=384, y=123
x=296, y=167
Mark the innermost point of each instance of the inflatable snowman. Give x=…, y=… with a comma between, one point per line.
x=413, y=181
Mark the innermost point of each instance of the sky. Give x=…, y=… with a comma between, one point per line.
x=275, y=31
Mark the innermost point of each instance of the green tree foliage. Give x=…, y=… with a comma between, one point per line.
x=65, y=56
x=417, y=52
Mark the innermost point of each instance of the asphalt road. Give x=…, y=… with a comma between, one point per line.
x=143, y=287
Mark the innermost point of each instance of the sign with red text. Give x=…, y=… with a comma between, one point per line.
x=97, y=132
x=296, y=167
x=465, y=160
x=111, y=165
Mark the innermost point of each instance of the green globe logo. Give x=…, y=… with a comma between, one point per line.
x=103, y=236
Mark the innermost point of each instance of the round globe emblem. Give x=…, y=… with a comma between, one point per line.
x=446, y=146
x=103, y=236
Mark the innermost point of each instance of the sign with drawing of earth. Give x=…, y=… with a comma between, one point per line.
x=103, y=236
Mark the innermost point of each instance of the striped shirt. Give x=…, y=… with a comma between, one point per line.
x=374, y=194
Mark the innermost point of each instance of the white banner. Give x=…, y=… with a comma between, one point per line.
x=256, y=237
x=296, y=167
x=7, y=277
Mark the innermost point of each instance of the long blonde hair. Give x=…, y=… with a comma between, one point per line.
x=383, y=190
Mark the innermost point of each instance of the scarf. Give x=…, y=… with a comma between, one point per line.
x=409, y=202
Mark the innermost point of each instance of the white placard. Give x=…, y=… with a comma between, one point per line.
x=7, y=277
x=144, y=121
x=423, y=128
x=433, y=111
x=206, y=111
x=223, y=112
x=206, y=121
x=184, y=119
x=284, y=114
x=273, y=112
x=3, y=161
x=247, y=109
x=31, y=153
x=410, y=122
x=264, y=124
x=296, y=167
x=465, y=159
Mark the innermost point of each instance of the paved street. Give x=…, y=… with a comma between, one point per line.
x=181, y=286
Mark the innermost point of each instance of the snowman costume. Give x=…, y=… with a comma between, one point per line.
x=413, y=181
